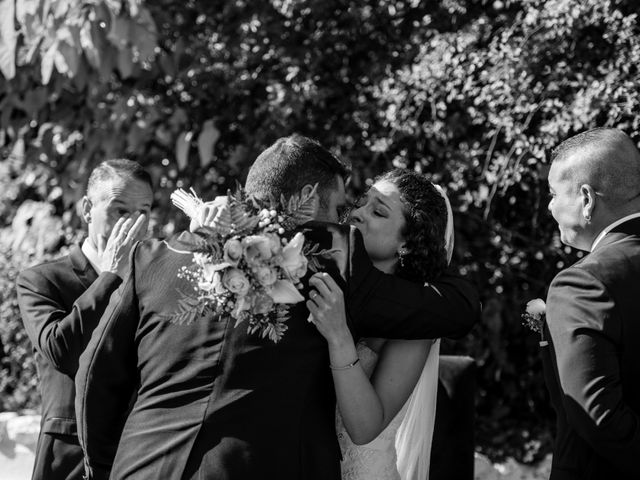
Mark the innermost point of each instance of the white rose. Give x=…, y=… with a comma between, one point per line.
x=257, y=249
x=233, y=251
x=265, y=275
x=236, y=282
x=536, y=307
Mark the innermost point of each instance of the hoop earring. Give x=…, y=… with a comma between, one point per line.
x=587, y=218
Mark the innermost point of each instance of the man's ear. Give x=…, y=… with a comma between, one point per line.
x=588, y=201
x=86, y=209
x=306, y=191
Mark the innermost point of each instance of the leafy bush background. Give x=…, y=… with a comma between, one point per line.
x=472, y=92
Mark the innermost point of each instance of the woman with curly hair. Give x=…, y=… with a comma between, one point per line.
x=386, y=389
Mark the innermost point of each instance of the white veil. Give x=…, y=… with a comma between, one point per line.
x=415, y=434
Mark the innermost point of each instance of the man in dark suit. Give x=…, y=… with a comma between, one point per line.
x=593, y=309
x=62, y=301
x=211, y=401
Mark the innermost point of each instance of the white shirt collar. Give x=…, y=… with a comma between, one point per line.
x=604, y=232
x=92, y=255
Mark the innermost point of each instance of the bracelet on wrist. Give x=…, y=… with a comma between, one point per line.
x=346, y=367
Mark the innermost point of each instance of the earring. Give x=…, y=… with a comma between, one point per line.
x=587, y=218
x=401, y=255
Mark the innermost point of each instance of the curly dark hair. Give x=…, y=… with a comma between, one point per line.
x=425, y=214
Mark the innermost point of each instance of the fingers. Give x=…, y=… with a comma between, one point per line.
x=322, y=288
x=138, y=229
x=220, y=201
x=316, y=315
x=202, y=213
x=314, y=310
x=117, y=228
x=328, y=281
x=202, y=218
x=121, y=233
x=210, y=212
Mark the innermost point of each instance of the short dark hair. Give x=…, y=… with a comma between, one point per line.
x=291, y=163
x=425, y=215
x=609, y=161
x=117, y=168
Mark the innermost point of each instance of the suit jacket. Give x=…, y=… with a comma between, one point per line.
x=214, y=402
x=61, y=303
x=591, y=364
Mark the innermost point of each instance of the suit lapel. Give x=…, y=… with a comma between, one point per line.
x=81, y=266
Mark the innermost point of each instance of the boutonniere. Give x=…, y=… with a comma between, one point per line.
x=534, y=317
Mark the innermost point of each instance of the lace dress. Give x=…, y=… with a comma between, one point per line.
x=375, y=460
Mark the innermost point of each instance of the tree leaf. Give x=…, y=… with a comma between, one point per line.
x=120, y=33
x=46, y=67
x=114, y=5
x=25, y=8
x=134, y=7
x=68, y=55
x=18, y=149
x=8, y=38
x=125, y=62
x=88, y=47
x=177, y=119
x=144, y=35
x=182, y=149
x=60, y=8
x=34, y=100
x=33, y=33
x=207, y=141
x=108, y=58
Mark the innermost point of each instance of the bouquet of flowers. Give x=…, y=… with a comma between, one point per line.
x=534, y=318
x=244, y=264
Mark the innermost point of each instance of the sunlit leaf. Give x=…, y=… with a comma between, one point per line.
x=182, y=149
x=48, y=59
x=86, y=42
x=8, y=38
x=206, y=142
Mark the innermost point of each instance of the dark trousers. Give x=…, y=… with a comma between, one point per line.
x=452, y=451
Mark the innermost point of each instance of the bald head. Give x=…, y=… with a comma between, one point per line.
x=604, y=158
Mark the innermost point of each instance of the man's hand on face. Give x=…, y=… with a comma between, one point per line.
x=114, y=252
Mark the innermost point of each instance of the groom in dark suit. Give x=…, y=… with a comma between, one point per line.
x=211, y=401
x=62, y=301
x=593, y=309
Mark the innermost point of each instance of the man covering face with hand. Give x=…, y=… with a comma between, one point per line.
x=62, y=301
